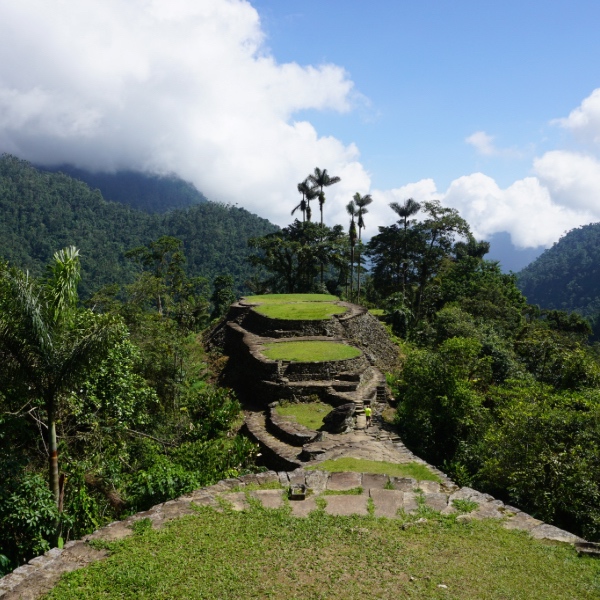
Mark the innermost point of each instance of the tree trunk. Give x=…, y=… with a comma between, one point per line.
x=53, y=453
x=351, y=272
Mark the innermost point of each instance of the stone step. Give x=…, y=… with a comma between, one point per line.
x=279, y=454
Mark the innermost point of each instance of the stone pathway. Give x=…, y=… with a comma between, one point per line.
x=36, y=578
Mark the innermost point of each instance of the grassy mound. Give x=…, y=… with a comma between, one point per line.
x=362, y=465
x=309, y=414
x=309, y=351
x=301, y=311
x=282, y=298
x=263, y=553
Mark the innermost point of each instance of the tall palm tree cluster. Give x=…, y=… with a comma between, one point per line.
x=312, y=188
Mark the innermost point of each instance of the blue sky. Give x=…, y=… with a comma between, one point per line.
x=435, y=72
x=491, y=107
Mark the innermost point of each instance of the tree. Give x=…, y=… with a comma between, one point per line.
x=351, y=210
x=292, y=256
x=405, y=211
x=322, y=179
x=361, y=203
x=308, y=193
x=407, y=256
x=48, y=340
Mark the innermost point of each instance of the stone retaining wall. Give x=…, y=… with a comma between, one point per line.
x=39, y=576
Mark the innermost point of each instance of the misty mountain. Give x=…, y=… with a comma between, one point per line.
x=144, y=191
x=41, y=212
x=567, y=275
x=508, y=255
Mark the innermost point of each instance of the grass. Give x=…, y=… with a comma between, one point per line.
x=357, y=491
x=309, y=351
x=282, y=298
x=361, y=465
x=378, y=312
x=309, y=414
x=301, y=311
x=263, y=553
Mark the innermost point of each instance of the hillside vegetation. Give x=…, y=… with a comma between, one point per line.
x=42, y=212
x=567, y=276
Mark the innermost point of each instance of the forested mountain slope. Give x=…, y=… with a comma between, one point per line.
x=144, y=191
x=567, y=276
x=41, y=212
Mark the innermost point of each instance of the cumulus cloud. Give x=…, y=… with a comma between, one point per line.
x=189, y=87
x=183, y=86
x=584, y=121
x=482, y=142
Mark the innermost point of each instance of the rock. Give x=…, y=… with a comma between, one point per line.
x=340, y=419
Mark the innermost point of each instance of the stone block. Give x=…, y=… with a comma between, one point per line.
x=269, y=498
x=317, y=481
x=237, y=500
x=429, y=487
x=404, y=484
x=387, y=502
x=549, y=532
x=522, y=521
x=341, y=482
x=411, y=501
x=301, y=508
x=374, y=481
x=437, y=501
x=345, y=505
x=297, y=477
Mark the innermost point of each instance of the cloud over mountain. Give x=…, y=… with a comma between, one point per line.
x=190, y=87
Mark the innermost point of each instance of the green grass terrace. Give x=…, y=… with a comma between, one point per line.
x=309, y=351
x=297, y=307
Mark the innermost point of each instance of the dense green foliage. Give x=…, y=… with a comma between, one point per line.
x=44, y=211
x=567, y=276
x=139, y=425
x=144, y=191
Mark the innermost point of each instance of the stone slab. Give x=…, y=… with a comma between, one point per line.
x=387, y=502
x=411, y=503
x=404, y=484
x=341, y=482
x=297, y=477
x=522, y=521
x=429, y=487
x=301, y=508
x=346, y=505
x=437, y=501
x=317, y=481
x=269, y=498
x=549, y=532
x=374, y=481
x=467, y=493
x=237, y=500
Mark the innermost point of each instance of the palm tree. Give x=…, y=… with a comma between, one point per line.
x=361, y=203
x=322, y=179
x=404, y=211
x=351, y=210
x=47, y=340
x=309, y=193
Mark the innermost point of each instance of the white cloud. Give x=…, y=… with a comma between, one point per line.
x=573, y=179
x=183, y=87
x=584, y=121
x=187, y=86
x=482, y=142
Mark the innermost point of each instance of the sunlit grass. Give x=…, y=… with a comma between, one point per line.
x=300, y=311
x=262, y=553
x=361, y=465
x=309, y=351
x=309, y=414
x=279, y=298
